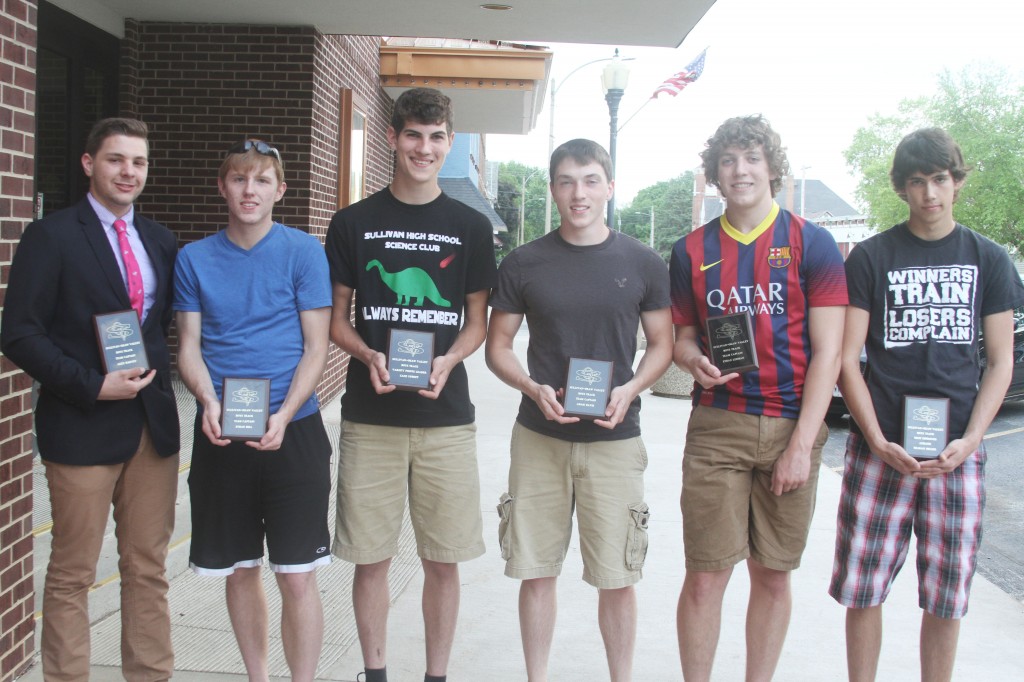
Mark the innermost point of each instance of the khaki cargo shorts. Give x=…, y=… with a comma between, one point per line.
x=605, y=483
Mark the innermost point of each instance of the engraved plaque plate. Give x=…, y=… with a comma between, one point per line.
x=245, y=408
x=925, y=426
x=119, y=336
x=410, y=355
x=588, y=386
x=730, y=340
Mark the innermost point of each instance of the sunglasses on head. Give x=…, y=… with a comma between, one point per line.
x=260, y=147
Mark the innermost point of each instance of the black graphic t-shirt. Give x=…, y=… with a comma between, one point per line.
x=411, y=267
x=927, y=300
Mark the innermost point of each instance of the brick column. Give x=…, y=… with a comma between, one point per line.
x=17, y=148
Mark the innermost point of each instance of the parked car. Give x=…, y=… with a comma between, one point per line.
x=1016, y=389
x=837, y=407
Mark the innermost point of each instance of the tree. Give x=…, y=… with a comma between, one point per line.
x=983, y=109
x=510, y=198
x=672, y=201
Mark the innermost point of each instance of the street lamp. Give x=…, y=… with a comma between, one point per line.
x=803, y=190
x=613, y=80
x=648, y=214
x=551, y=126
x=652, y=228
x=522, y=204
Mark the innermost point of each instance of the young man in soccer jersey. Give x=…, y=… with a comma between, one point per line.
x=253, y=300
x=411, y=257
x=583, y=290
x=928, y=268
x=754, y=440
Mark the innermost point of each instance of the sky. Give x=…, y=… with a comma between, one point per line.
x=816, y=70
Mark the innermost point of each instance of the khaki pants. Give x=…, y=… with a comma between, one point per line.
x=142, y=491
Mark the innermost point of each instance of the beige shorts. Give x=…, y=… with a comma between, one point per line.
x=436, y=468
x=605, y=480
x=729, y=510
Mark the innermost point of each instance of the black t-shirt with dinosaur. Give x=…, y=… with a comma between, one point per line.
x=411, y=267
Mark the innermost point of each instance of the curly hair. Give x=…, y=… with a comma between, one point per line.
x=928, y=150
x=422, y=105
x=746, y=132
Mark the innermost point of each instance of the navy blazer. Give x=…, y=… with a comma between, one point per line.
x=64, y=272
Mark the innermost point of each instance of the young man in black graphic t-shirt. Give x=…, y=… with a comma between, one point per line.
x=410, y=258
x=921, y=295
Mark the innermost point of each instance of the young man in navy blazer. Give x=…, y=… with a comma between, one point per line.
x=105, y=438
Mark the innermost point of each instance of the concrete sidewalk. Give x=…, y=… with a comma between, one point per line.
x=487, y=645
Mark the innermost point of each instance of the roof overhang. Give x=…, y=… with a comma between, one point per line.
x=463, y=189
x=495, y=88
x=657, y=23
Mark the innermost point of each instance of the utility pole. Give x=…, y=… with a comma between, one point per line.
x=652, y=228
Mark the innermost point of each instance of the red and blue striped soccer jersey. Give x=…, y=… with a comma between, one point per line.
x=778, y=271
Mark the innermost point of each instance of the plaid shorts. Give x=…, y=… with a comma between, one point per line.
x=878, y=508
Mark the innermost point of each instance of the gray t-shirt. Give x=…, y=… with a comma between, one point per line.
x=581, y=301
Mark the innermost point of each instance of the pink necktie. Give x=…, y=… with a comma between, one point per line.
x=131, y=266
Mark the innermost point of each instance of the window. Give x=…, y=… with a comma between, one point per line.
x=351, y=148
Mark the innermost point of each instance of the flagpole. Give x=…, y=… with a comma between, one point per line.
x=693, y=72
x=635, y=113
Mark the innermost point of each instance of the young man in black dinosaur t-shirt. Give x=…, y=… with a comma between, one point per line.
x=411, y=258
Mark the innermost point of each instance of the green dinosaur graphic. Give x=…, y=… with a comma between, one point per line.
x=412, y=285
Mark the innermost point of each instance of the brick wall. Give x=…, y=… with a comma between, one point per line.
x=17, y=147
x=128, y=71
x=202, y=87
x=350, y=62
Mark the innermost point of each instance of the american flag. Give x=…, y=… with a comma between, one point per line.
x=675, y=83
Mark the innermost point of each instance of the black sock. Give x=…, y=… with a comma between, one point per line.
x=435, y=678
x=376, y=674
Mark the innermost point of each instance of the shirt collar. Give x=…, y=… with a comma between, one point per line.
x=750, y=237
x=107, y=218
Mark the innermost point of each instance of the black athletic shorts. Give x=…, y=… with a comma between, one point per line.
x=241, y=496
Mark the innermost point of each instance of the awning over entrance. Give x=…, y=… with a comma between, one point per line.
x=660, y=23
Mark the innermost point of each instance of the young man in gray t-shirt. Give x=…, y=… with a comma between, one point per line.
x=584, y=290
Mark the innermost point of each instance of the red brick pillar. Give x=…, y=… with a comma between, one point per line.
x=17, y=149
